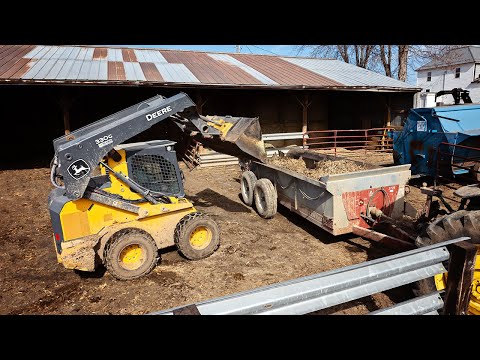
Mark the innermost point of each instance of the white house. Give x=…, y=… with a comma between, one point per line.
x=460, y=68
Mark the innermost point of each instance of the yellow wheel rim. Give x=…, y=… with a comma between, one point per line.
x=200, y=238
x=132, y=257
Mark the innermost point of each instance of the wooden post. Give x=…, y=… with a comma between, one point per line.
x=305, y=114
x=460, y=276
x=200, y=103
x=389, y=110
x=305, y=104
x=66, y=120
x=66, y=103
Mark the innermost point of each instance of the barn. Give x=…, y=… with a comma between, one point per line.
x=48, y=91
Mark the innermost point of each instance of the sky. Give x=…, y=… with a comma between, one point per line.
x=285, y=50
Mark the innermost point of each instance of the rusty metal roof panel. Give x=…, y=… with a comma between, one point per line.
x=284, y=72
x=151, y=72
x=103, y=64
x=209, y=70
x=347, y=74
x=256, y=74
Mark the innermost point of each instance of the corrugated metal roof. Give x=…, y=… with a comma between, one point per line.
x=463, y=55
x=347, y=74
x=127, y=66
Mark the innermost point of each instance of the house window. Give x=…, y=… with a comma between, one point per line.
x=457, y=72
x=429, y=76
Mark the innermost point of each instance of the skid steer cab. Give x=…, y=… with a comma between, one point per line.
x=112, y=224
x=118, y=204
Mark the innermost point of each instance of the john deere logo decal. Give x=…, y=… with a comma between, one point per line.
x=78, y=169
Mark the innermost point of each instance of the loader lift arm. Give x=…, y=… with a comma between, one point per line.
x=79, y=152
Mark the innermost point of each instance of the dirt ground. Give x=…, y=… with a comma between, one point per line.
x=254, y=252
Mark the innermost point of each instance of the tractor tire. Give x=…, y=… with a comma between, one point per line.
x=197, y=236
x=265, y=197
x=247, y=184
x=131, y=254
x=448, y=227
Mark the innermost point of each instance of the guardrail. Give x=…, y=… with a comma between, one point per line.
x=331, y=141
x=312, y=293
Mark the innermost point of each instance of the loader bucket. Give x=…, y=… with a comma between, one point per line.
x=240, y=137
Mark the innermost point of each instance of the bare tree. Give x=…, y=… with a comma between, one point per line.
x=392, y=60
x=359, y=55
x=386, y=58
x=402, y=62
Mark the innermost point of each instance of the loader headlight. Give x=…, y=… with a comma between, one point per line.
x=169, y=148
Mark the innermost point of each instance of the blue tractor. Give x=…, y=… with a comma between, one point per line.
x=441, y=141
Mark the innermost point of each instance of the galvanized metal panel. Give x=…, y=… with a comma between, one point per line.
x=81, y=54
x=140, y=56
x=133, y=71
x=94, y=70
x=57, y=54
x=152, y=56
x=114, y=55
x=65, y=70
x=75, y=69
x=138, y=71
x=34, y=53
x=42, y=52
x=176, y=73
x=146, y=56
x=156, y=56
x=55, y=70
x=74, y=53
x=50, y=52
x=85, y=70
x=256, y=74
x=89, y=55
x=103, y=70
x=66, y=54
x=34, y=69
x=347, y=74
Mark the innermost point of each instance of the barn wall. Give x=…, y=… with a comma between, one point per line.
x=32, y=116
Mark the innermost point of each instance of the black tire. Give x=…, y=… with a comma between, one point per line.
x=448, y=227
x=265, y=197
x=131, y=254
x=197, y=236
x=247, y=184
